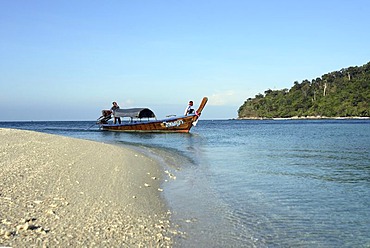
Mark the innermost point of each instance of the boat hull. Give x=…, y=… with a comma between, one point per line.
x=170, y=125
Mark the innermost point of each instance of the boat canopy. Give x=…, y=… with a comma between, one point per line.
x=135, y=113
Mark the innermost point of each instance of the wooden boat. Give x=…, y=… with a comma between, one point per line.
x=144, y=120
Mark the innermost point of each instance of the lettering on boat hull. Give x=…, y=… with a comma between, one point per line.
x=173, y=123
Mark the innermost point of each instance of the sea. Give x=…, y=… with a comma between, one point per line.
x=255, y=183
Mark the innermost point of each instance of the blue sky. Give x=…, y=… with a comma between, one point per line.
x=67, y=60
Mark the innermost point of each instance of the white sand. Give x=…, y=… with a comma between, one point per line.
x=57, y=192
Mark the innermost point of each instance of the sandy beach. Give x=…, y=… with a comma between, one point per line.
x=57, y=191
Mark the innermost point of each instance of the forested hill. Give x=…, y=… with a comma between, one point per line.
x=344, y=93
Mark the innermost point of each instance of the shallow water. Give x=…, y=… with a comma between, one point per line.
x=258, y=183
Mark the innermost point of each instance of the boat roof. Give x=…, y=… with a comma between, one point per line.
x=135, y=113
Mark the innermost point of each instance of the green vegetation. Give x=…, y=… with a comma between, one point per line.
x=344, y=93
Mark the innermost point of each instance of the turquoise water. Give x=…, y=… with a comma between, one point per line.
x=258, y=183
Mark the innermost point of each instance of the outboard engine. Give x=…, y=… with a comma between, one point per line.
x=106, y=116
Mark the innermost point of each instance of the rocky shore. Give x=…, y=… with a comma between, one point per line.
x=57, y=192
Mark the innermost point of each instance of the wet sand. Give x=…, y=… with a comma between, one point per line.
x=57, y=191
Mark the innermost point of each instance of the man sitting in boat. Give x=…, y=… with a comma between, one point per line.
x=189, y=109
x=114, y=108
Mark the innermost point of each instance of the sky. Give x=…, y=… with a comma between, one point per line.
x=68, y=60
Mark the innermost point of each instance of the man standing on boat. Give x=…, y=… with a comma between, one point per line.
x=189, y=109
x=114, y=108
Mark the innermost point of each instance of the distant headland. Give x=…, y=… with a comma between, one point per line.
x=343, y=94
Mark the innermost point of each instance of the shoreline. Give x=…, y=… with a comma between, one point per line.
x=58, y=190
x=306, y=118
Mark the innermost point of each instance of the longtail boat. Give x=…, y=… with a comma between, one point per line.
x=144, y=120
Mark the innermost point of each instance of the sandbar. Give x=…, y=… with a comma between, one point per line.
x=58, y=191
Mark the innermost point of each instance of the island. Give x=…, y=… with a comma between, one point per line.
x=339, y=94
